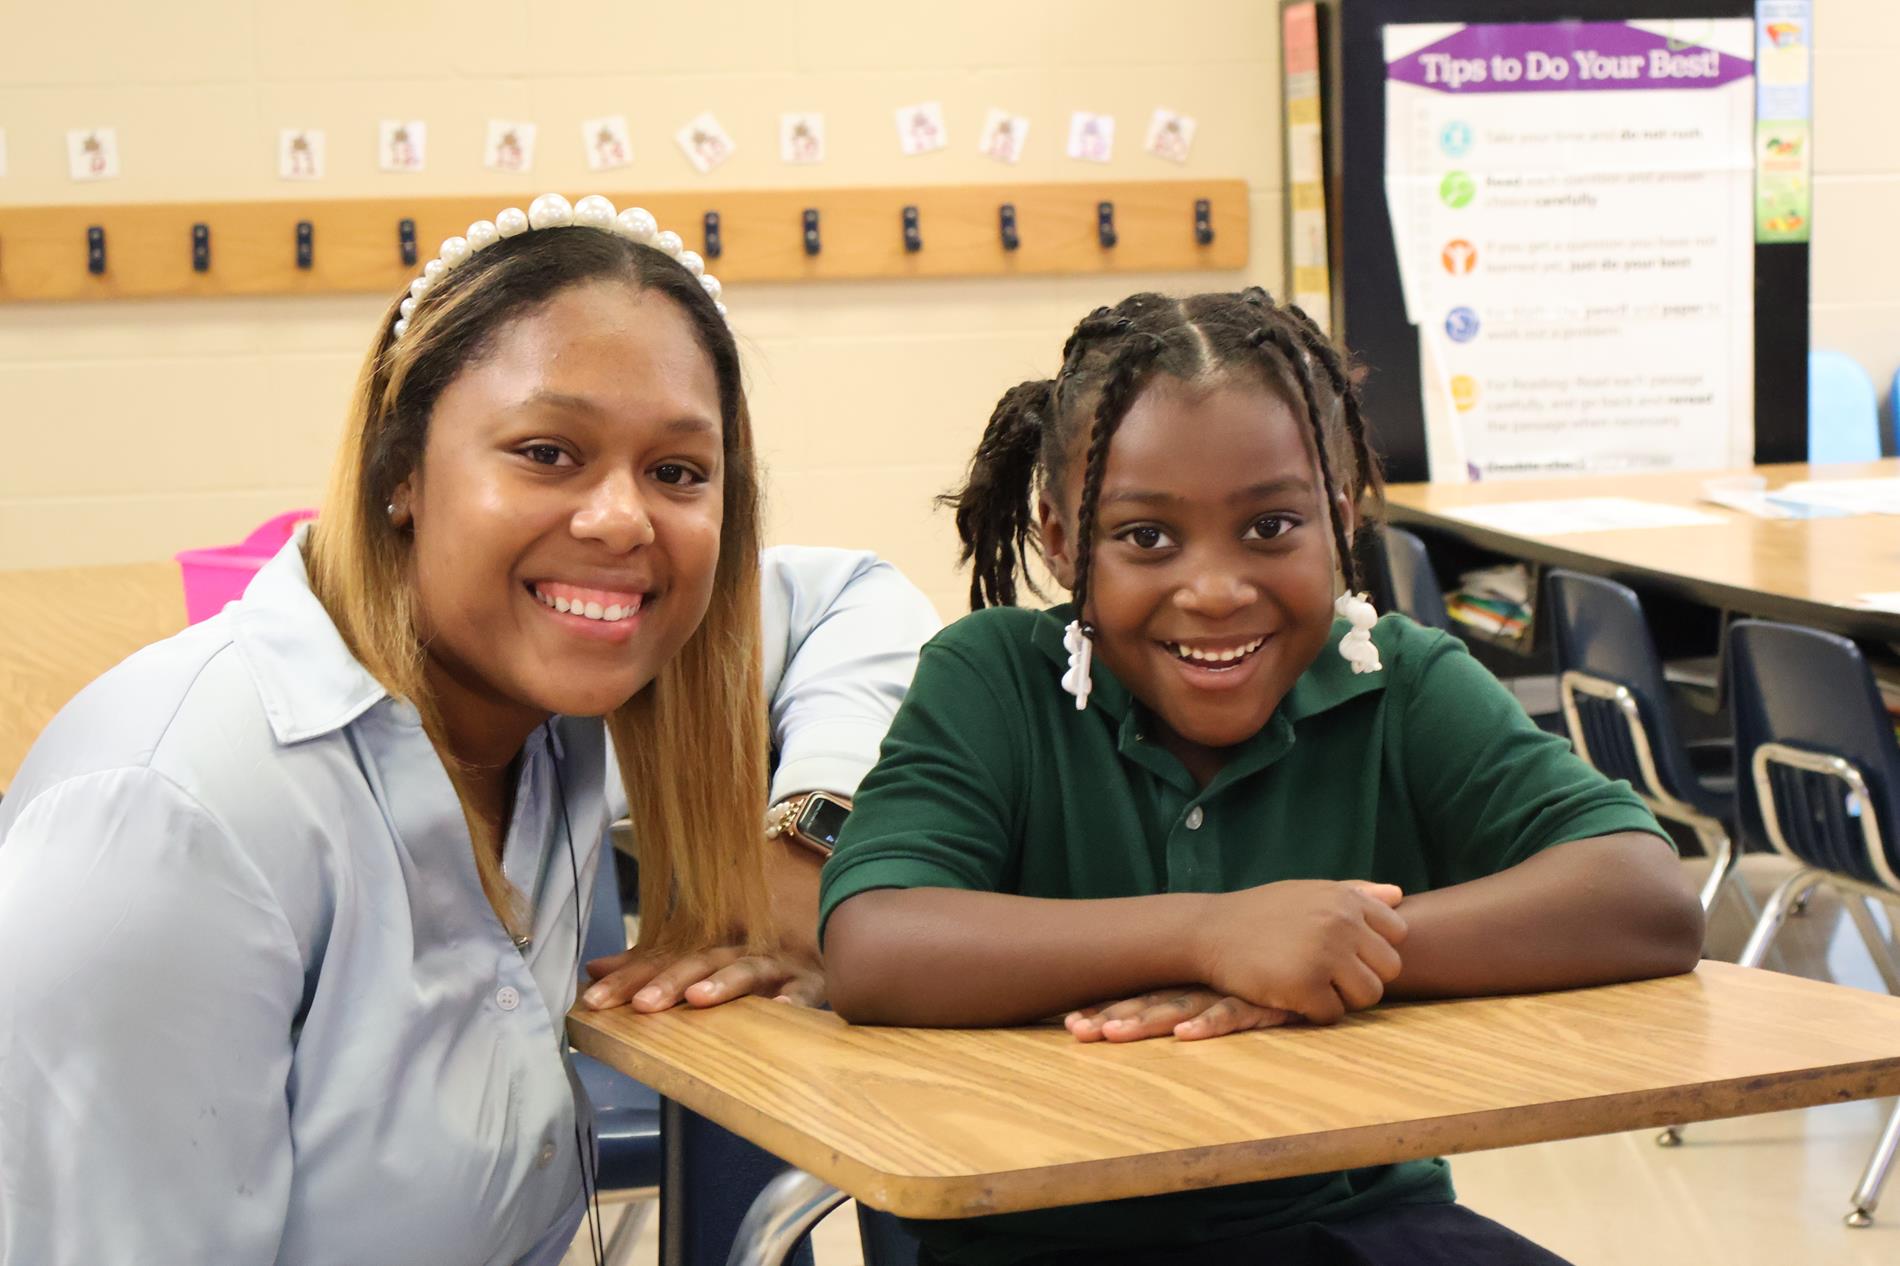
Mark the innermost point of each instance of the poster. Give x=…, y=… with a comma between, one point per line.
x=1784, y=110
x=1572, y=208
x=1308, y=262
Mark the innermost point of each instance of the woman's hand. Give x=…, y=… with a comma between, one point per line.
x=655, y=982
x=1188, y=1014
x=1316, y=948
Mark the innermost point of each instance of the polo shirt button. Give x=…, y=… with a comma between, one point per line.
x=546, y=1156
x=1194, y=818
x=507, y=997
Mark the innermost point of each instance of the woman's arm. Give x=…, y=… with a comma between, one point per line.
x=1590, y=912
x=148, y=985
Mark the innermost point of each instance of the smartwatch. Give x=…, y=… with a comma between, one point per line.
x=812, y=819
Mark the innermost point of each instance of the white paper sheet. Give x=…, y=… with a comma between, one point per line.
x=1580, y=514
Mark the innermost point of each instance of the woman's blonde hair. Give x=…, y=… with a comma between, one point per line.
x=691, y=745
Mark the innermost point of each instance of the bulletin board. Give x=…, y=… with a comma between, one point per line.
x=1680, y=343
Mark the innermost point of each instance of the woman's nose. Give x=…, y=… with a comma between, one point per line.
x=615, y=514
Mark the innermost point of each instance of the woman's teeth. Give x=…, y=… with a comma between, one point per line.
x=591, y=610
x=1214, y=655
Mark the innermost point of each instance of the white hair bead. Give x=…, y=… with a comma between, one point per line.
x=692, y=263
x=550, y=211
x=407, y=308
x=455, y=250
x=434, y=269
x=711, y=285
x=669, y=242
x=594, y=211
x=482, y=234
x=401, y=327
x=512, y=223
x=719, y=307
x=638, y=224
x=419, y=287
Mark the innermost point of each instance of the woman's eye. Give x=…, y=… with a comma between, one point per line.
x=1269, y=526
x=544, y=454
x=1147, y=538
x=674, y=473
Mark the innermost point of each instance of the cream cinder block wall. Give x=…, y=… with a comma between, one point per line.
x=140, y=428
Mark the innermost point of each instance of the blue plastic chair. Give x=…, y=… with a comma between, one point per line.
x=1818, y=780
x=1843, y=417
x=1415, y=585
x=1616, y=703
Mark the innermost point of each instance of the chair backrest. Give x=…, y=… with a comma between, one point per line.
x=606, y=924
x=1415, y=588
x=1597, y=629
x=1843, y=416
x=1813, y=691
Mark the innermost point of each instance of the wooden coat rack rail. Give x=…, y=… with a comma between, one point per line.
x=317, y=246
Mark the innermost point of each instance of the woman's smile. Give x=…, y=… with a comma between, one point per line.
x=610, y=615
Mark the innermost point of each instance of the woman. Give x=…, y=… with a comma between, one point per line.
x=290, y=903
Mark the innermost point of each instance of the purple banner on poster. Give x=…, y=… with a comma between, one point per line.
x=1564, y=57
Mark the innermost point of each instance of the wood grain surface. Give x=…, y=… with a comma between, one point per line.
x=945, y=1123
x=1807, y=571
x=355, y=248
x=61, y=627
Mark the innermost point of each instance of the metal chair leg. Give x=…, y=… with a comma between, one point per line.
x=1867, y=1195
x=620, y=1244
x=1721, y=851
x=790, y=1205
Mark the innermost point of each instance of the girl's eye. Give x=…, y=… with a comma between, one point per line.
x=544, y=454
x=676, y=474
x=1147, y=538
x=1269, y=526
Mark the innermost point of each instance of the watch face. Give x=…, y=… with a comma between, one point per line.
x=822, y=820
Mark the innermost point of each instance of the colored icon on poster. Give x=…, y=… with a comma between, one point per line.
x=1464, y=392
x=1455, y=139
x=1459, y=257
x=1457, y=189
x=1461, y=324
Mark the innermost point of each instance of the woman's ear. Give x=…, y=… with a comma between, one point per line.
x=1057, y=539
x=401, y=506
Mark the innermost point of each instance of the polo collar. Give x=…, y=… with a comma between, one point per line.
x=307, y=679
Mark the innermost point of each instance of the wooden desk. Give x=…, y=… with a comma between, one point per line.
x=1805, y=571
x=947, y=1124
x=60, y=628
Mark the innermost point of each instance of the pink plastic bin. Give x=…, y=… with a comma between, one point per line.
x=214, y=577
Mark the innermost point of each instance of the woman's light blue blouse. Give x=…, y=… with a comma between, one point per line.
x=254, y=1006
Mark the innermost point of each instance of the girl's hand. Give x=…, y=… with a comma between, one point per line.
x=1315, y=948
x=1186, y=1013
x=652, y=982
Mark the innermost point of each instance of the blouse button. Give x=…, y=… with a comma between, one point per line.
x=507, y=997
x=1194, y=818
x=546, y=1156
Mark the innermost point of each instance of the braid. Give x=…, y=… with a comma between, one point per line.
x=992, y=509
x=1124, y=383
x=1329, y=358
x=1289, y=344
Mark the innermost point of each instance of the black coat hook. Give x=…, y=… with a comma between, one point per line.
x=913, y=234
x=1203, y=222
x=715, y=247
x=1006, y=218
x=305, y=250
x=406, y=239
x=201, y=248
x=812, y=244
x=96, y=250
x=1105, y=224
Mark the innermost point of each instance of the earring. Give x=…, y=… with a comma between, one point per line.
x=1081, y=654
x=391, y=508
x=1356, y=646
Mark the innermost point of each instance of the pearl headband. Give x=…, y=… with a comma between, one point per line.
x=552, y=211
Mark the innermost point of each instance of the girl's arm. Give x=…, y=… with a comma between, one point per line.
x=1591, y=912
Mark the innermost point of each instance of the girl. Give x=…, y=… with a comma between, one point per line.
x=290, y=903
x=1193, y=801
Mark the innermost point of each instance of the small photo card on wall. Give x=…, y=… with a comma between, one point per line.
x=92, y=153
x=299, y=154
x=510, y=146
x=920, y=128
x=607, y=142
x=1004, y=135
x=1091, y=136
x=705, y=144
x=801, y=138
x=402, y=145
x=1170, y=135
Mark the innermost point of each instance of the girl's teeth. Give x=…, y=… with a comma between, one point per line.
x=613, y=612
x=592, y=611
x=589, y=610
x=560, y=604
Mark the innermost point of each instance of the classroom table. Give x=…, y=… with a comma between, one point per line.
x=1802, y=571
x=956, y=1123
x=61, y=627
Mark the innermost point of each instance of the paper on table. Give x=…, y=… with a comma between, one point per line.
x=1889, y=601
x=1851, y=496
x=1581, y=514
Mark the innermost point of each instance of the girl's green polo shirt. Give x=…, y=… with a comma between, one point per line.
x=1424, y=775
